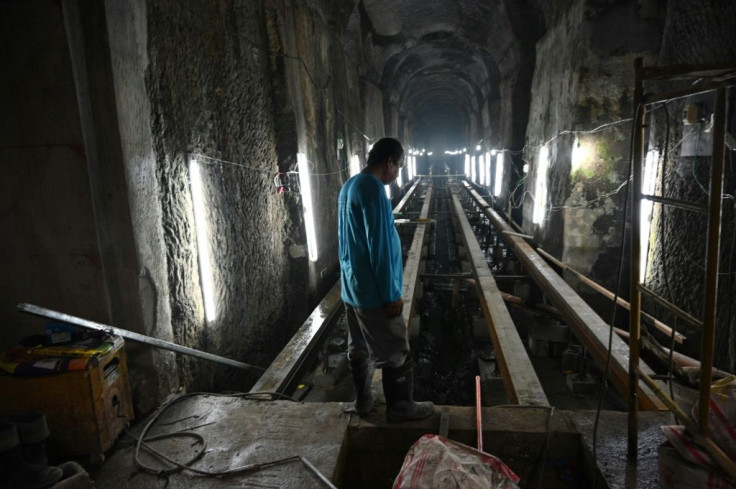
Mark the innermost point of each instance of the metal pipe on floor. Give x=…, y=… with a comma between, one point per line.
x=166, y=345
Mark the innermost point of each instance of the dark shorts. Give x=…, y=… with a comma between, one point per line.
x=385, y=339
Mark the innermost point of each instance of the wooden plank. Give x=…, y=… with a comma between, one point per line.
x=414, y=259
x=590, y=329
x=610, y=295
x=407, y=197
x=286, y=368
x=519, y=378
x=411, y=274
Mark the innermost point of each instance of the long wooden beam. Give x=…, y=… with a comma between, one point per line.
x=590, y=329
x=286, y=369
x=610, y=295
x=405, y=200
x=414, y=260
x=519, y=378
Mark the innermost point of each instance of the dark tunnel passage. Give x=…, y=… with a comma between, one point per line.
x=172, y=169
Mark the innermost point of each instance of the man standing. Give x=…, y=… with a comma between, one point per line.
x=371, y=280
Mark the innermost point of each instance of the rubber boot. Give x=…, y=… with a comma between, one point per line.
x=398, y=387
x=32, y=432
x=10, y=457
x=32, y=469
x=361, y=369
x=16, y=472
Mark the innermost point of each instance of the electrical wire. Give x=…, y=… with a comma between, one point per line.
x=662, y=247
x=545, y=447
x=607, y=369
x=590, y=131
x=732, y=290
x=316, y=174
x=226, y=162
x=517, y=203
x=367, y=138
x=142, y=441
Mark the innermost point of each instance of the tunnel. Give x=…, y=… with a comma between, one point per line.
x=565, y=207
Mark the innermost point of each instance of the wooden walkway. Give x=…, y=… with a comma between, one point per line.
x=519, y=378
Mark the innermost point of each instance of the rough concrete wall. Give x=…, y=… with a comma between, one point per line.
x=695, y=32
x=48, y=243
x=243, y=87
x=154, y=373
x=583, y=81
x=325, y=92
x=208, y=82
x=373, y=110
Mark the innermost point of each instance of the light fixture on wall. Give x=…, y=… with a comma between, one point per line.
x=477, y=148
x=410, y=167
x=540, y=185
x=354, y=165
x=487, y=183
x=581, y=155
x=647, y=188
x=472, y=169
x=414, y=165
x=306, y=190
x=482, y=169
x=203, y=248
x=467, y=165
x=498, y=178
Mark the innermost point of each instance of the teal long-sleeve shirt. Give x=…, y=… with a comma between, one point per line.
x=370, y=249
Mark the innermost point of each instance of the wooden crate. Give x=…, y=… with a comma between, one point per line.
x=85, y=410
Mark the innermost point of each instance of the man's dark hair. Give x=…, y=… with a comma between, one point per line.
x=384, y=149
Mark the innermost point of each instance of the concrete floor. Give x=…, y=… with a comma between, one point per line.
x=367, y=452
x=237, y=433
x=613, y=463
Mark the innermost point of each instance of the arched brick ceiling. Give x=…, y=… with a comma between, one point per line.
x=438, y=61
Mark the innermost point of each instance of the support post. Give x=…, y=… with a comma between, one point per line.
x=713, y=246
x=635, y=295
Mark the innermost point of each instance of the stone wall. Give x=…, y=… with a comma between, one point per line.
x=107, y=231
x=242, y=88
x=583, y=83
x=695, y=33
x=584, y=80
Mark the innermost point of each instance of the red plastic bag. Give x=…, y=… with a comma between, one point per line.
x=436, y=462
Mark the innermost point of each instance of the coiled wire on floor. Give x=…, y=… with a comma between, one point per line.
x=143, y=441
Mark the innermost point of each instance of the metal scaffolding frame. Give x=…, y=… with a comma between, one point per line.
x=707, y=79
